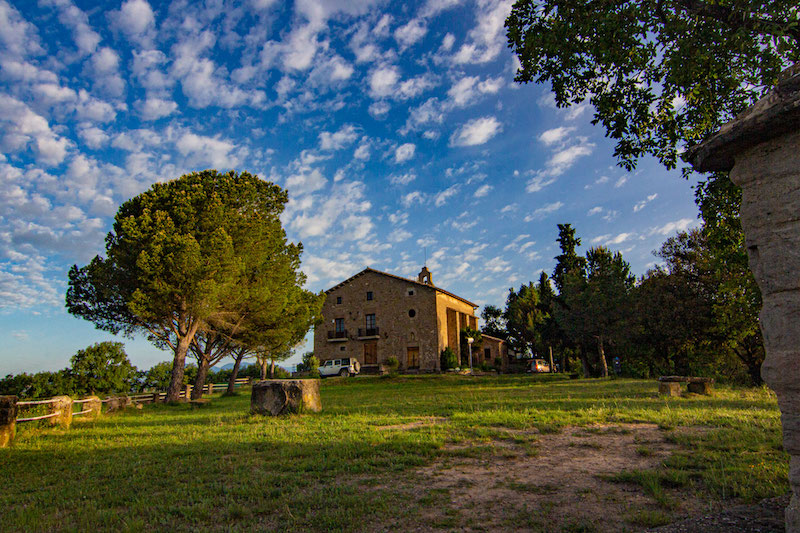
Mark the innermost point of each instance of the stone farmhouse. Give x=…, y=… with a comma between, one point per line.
x=374, y=315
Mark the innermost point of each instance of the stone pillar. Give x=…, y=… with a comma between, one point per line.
x=282, y=396
x=761, y=149
x=63, y=406
x=94, y=405
x=8, y=419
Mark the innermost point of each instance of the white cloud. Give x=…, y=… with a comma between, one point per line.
x=77, y=22
x=441, y=198
x=555, y=135
x=18, y=37
x=466, y=90
x=487, y=39
x=476, y=132
x=383, y=80
x=672, y=227
x=398, y=235
x=544, y=211
x=404, y=152
x=414, y=197
x=413, y=87
x=93, y=137
x=135, y=20
x=402, y=179
x=538, y=182
x=379, y=110
x=363, y=151
x=200, y=150
x=641, y=205
x=346, y=135
x=410, y=33
x=482, y=191
x=21, y=128
x=155, y=108
x=594, y=211
x=621, y=181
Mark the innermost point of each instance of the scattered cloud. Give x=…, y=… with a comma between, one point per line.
x=476, y=132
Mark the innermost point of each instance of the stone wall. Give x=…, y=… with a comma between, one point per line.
x=760, y=149
x=392, y=306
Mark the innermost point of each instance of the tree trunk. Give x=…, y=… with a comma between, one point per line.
x=601, y=352
x=585, y=364
x=263, y=365
x=552, y=369
x=178, y=362
x=564, y=360
x=236, y=365
x=271, y=368
x=200, y=380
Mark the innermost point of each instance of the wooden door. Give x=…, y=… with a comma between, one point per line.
x=413, y=358
x=370, y=353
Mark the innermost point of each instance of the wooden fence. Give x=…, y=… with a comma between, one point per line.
x=61, y=409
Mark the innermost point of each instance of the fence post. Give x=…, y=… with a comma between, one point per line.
x=187, y=389
x=156, y=397
x=210, y=389
x=63, y=406
x=8, y=419
x=93, y=404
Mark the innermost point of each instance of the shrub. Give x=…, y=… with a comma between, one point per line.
x=157, y=378
x=485, y=366
x=102, y=368
x=281, y=373
x=312, y=364
x=449, y=359
x=393, y=364
x=498, y=363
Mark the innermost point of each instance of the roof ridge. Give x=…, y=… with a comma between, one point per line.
x=401, y=278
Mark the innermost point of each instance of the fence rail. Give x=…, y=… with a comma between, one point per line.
x=31, y=419
x=116, y=401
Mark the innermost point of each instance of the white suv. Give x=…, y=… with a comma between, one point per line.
x=339, y=367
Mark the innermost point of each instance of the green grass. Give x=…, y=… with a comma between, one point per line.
x=218, y=468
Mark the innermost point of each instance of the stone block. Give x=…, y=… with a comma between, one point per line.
x=669, y=388
x=8, y=420
x=282, y=396
x=117, y=403
x=63, y=406
x=699, y=387
x=94, y=405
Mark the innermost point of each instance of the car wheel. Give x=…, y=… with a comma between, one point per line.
x=345, y=373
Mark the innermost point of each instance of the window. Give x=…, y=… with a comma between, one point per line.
x=370, y=321
x=487, y=354
x=339, y=325
x=338, y=299
x=412, y=313
x=369, y=295
x=328, y=363
x=411, y=292
x=371, y=353
x=341, y=348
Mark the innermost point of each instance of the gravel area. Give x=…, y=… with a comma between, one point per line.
x=763, y=517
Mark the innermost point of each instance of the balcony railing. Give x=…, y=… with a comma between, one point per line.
x=367, y=332
x=337, y=335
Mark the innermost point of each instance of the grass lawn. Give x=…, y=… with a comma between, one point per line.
x=386, y=454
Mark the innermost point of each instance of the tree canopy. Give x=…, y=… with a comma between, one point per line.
x=182, y=258
x=658, y=73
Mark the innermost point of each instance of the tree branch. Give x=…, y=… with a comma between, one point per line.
x=736, y=19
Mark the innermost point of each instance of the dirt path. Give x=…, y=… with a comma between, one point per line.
x=554, y=485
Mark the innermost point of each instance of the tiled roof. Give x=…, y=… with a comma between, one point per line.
x=407, y=280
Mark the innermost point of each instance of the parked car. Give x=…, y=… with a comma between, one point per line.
x=539, y=365
x=345, y=367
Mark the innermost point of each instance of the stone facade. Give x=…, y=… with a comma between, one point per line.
x=492, y=348
x=760, y=149
x=373, y=316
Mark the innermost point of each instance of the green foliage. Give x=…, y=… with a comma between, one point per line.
x=311, y=363
x=202, y=253
x=39, y=385
x=393, y=364
x=157, y=377
x=657, y=73
x=477, y=343
x=448, y=359
x=103, y=368
x=494, y=323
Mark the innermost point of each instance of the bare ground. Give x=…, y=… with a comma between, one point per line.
x=544, y=482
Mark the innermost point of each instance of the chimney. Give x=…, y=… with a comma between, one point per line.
x=425, y=276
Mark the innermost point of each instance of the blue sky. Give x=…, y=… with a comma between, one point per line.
x=395, y=126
